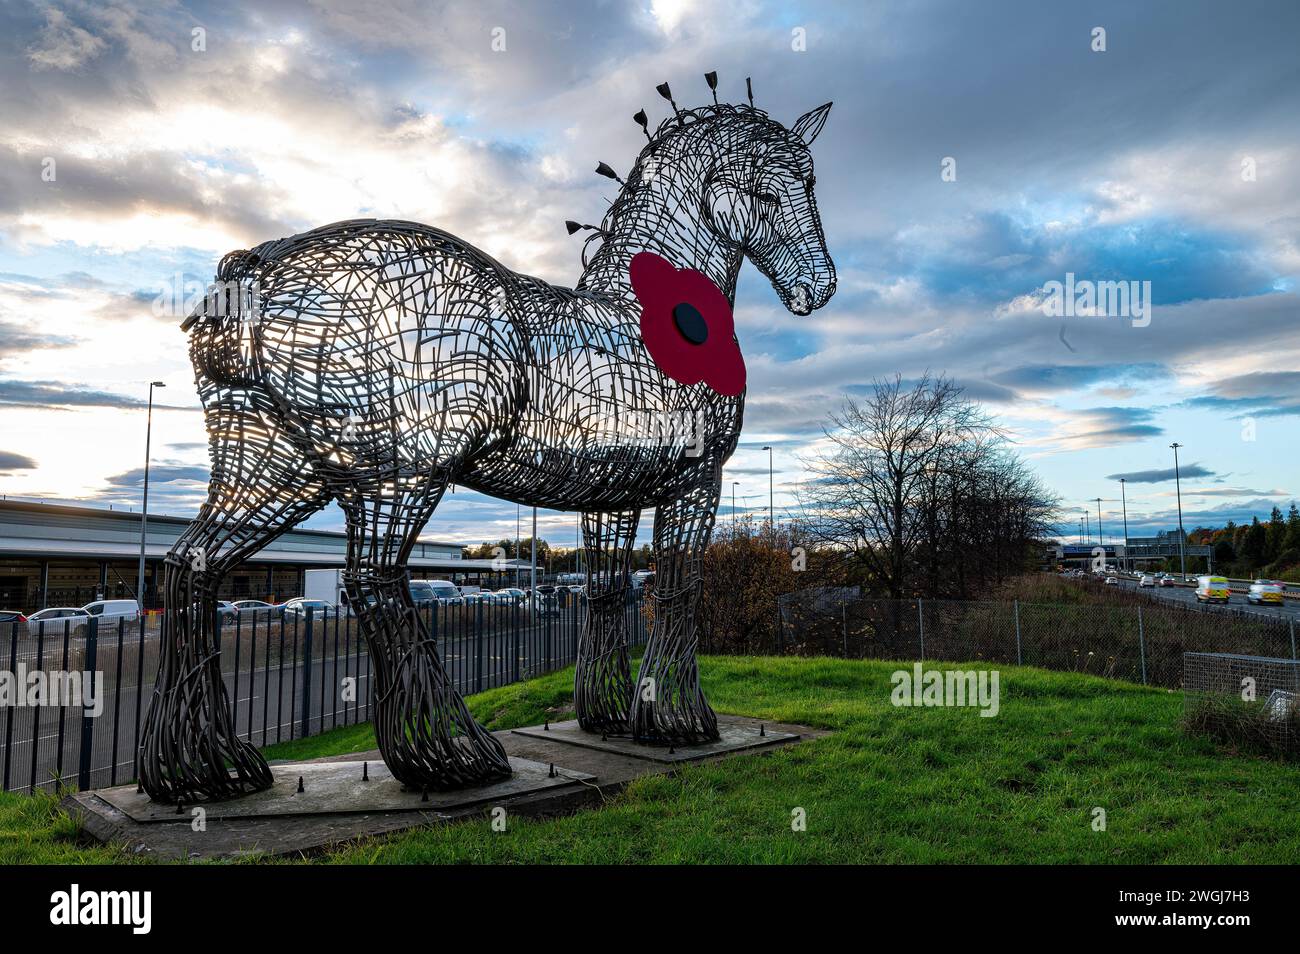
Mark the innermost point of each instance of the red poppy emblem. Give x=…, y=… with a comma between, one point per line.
x=687, y=326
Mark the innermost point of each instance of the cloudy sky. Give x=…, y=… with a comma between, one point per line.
x=975, y=154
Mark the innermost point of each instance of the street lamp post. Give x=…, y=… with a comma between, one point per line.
x=144, y=506
x=532, y=576
x=1123, y=500
x=771, y=512
x=733, y=506
x=1178, y=486
x=1101, y=541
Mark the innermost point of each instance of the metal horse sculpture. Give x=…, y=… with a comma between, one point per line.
x=376, y=362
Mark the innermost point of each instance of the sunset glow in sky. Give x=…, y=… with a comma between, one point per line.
x=1172, y=157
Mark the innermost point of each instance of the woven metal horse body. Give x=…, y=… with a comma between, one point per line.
x=376, y=362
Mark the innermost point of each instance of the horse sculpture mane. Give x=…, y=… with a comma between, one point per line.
x=376, y=362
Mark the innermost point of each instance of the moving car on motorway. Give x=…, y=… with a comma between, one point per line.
x=1147, y=581
x=1112, y=581
x=1166, y=580
x=1265, y=591
x=1212, y=589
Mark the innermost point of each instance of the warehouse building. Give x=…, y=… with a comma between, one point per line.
x=59, y=555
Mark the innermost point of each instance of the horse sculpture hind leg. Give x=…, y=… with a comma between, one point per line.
x=602, y=681
x=425, y=732
x=259, y=488
x=668, y=705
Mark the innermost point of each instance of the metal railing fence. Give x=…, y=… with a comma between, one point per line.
x=287, y=677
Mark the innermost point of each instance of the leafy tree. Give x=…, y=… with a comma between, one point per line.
x=1254, y=546
x=1291, y=541
x=1274, y=535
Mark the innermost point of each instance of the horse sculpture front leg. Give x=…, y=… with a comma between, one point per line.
x=260, y=486
x=602, y=681
x=426, y=734
x=667, y=705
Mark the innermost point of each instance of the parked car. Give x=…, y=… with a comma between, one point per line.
x=512, y=596
x=298, y=607
x=1265, y=591
x=113, y=610
x=57, y=612
x=428, y=592
x=1147, y=581
x=544, y=601
x=12, y=616
x=55, y=619
x=1212, y=589
x=256, y=608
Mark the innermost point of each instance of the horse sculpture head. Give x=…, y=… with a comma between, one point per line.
x=760, y=198
x=718, y=183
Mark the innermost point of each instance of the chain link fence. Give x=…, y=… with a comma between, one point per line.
x=1139, y=643
x=1249, y=702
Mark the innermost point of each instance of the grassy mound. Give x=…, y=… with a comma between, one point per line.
x=891, y=785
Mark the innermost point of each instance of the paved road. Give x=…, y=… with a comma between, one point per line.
x=1289, y=610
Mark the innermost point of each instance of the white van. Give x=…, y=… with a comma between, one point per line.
x=1265, y=591
x=1212, y=589
x=112, y=610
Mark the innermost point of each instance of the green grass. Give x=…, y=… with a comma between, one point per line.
x=890, y=785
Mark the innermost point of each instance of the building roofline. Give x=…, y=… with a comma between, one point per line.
x=72, y=510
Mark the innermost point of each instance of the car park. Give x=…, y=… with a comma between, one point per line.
x=1265, y=592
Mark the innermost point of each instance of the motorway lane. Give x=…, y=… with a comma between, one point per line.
x=1289, y=610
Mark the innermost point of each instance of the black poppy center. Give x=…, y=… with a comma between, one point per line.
x=690, y=323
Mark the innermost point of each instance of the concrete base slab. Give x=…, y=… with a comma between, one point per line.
x=339, y=787
x=591, y=777
x=734, y=737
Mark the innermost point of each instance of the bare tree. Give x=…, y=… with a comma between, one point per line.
x=918, y=485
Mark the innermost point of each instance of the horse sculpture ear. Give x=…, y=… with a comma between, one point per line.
x=807, y=126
